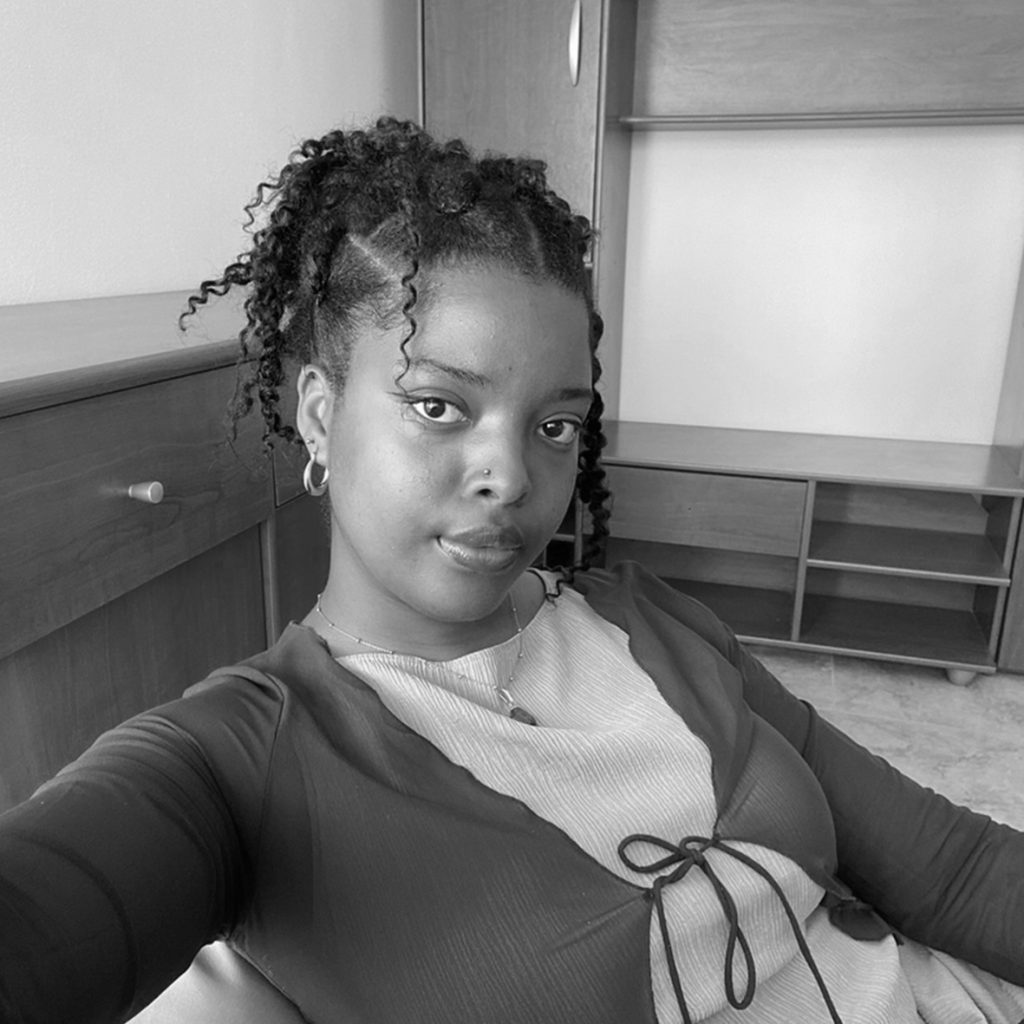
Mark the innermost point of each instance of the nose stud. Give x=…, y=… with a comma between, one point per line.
x=487, y=472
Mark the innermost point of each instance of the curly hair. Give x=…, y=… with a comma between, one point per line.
x=356, y=213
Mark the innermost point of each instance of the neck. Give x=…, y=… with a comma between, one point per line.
x=348, y=632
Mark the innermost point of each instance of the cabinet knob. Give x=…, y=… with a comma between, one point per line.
x=575, y=34
x=151, y=492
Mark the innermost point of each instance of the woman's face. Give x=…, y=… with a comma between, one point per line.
x=448, y=478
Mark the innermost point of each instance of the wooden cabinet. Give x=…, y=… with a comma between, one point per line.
x=533, y=47
x=135, y=652
x=755, y=62
x=72, y=535
x=904, y=550
x=111, y=604
x=550, y=80
x=885, y=549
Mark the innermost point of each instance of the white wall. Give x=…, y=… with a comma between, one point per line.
x=854, y=281
x=132, y=132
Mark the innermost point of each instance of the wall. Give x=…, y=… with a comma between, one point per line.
x=132, y=133
x=855, y=281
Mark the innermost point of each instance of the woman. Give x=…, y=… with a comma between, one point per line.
x=465, y=789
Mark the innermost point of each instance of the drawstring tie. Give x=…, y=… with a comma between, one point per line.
x=689, y=853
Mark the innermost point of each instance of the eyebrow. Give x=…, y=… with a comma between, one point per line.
x=479, y=380
x=458, y=373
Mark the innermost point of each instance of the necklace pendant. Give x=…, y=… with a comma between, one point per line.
x=521, y=715
x=515, y=712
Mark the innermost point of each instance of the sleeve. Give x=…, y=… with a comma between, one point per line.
x=941, y=874
x=116, y=872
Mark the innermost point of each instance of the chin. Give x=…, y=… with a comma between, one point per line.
x=469, y=598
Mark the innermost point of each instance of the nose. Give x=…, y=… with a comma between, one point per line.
x=500, y=472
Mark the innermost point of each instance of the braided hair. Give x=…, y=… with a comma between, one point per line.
x=353, y=214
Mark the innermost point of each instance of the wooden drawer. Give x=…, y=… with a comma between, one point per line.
x=72, y=539
x=707, y=510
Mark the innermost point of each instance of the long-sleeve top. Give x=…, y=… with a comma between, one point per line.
x=368, y=877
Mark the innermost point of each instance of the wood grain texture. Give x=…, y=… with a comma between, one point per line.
x=139, y=651
x=919, y=635
x=612, y=189
x=895, y=539
x=763, y=616
x=900, y=592
x=43, y=338
x=289, y=460
x=708, y=565
x=303, y=548
x=706, y=510
x=879, y=461
x=894, y=551
x=73, y=539
x=1011, y=647
x=728, y=58
x=496, y=74
x=944, y=511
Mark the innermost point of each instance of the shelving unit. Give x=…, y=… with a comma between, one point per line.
x=934, y=574
x=885, y=549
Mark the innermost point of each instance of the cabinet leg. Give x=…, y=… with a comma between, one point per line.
x=960, y=676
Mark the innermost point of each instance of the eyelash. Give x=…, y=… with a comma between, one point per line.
x=418, y=406
x=415, y=404
x=576, y=428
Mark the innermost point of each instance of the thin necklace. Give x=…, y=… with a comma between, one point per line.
x=508, y=702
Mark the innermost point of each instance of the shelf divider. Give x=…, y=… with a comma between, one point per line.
x=900, y=551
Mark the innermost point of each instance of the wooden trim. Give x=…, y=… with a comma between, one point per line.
x=827, y=119
x=72, y=538
x=1009, y=428
x=922, y=62
x=65, y=386
x=611, y=186
x=929, y=465
x=421, y=77
x=268, y=558
x=801, y=564
x=944, y=637
x=1011, y=632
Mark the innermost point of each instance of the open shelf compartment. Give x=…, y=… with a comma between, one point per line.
x=944, y=637
x=753, y=593
x=929, y=554
x=752, y=613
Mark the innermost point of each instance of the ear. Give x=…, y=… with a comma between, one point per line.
x=313, y=414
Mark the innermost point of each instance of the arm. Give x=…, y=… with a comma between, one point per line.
x=114, y=874
x=943, y=875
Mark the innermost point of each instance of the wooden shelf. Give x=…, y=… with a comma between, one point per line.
x=927, y=554
x=748, y=547
x=927, y=636
x=833, y=63
x=823, y=119
x=971, y=468
x=752, y=613
x=898, y=550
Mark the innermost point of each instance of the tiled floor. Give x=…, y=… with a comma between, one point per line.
x=966, y=742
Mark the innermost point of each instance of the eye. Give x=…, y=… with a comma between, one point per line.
x=438, y=410
x=563, y=432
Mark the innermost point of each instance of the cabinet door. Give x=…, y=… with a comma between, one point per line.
x=707, y=510
x=731, y=59
x=498, y=75
x=142, y=649
x=298, y=560
x=72, y=538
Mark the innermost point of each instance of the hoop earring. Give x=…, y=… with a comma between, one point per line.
x=312, y=489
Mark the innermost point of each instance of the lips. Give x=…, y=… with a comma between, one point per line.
x=483, y=548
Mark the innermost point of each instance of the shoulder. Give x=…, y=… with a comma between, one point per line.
x=220, y=735
x=268, y=684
